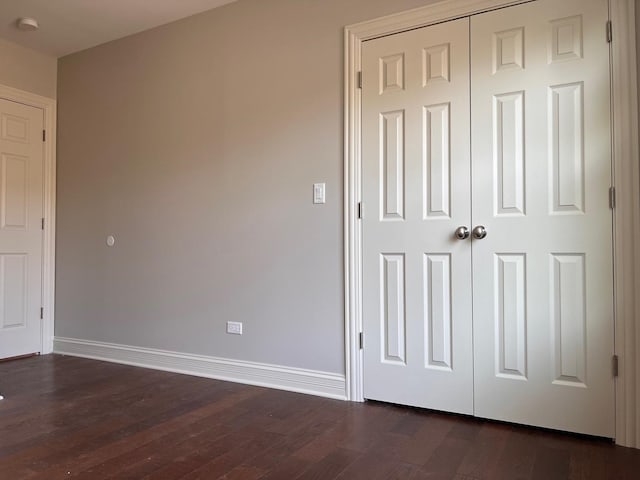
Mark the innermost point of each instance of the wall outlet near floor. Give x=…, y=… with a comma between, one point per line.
x=234, y=327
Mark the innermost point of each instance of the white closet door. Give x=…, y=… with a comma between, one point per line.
x=542, y=277
x=21, y=157
x=416, y=275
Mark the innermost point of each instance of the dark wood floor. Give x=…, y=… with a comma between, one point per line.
x=67, y=417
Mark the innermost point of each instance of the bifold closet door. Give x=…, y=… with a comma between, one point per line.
x=415, y=180
x=541, y=156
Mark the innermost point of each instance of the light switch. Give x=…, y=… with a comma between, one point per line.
x=318, y=192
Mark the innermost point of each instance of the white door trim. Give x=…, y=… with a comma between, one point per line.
x=626, y=221
x=48, y=106
x=626, y=176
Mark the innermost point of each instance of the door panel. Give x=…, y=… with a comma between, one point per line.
x=542, y=278
x=416, y=275
x=21, y=158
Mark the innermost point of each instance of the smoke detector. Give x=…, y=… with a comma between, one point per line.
x=27, y=24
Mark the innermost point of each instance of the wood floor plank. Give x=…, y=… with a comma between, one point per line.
x=518, y=456
x=331, y=466
x=551, y=463
x=480, y=460
x=448, y=456
x=246, y=444
x=138, y=434
x=68, y=417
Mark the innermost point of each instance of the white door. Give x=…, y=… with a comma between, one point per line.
x=416, y=275
x=539, y=348
x=21, y=184
x=541, y=154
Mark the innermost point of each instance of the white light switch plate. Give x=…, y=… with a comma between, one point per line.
x=318, y=193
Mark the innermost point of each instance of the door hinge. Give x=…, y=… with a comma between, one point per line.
x=615, y=365
x=361, y=340
x=360, y=210
x=612, y=197
x=44, y=135
x=359, y=79
x=41, y=313
x=42, y=224
x=609, y=31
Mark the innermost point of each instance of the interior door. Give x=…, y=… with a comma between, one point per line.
x=21, y=197
x=542, y=277
x=415, y=178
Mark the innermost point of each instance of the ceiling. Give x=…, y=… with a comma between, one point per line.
x=67, y=26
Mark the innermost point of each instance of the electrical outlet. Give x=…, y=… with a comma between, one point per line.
x=234, y=328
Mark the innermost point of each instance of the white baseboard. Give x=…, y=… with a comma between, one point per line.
x=299, y=380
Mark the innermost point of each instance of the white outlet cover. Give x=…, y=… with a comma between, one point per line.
x=234, y=328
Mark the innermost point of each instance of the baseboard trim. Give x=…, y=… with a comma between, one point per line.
x=260, y=374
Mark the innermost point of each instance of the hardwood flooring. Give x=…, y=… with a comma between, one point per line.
x=66, y=417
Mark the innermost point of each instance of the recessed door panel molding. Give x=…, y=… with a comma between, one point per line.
x=511, y=315
x=13, y=191
x=568, y=280
x=508, y=134
x=435, y=64
x=13, y=291
x=437, y=308
x=391, y=76
x=436, y=148
x=392, y=165
x=14, y=128
x=566, y=39
x=566, y=142
x=21, y=230
x=392, y=308
x=508, y=50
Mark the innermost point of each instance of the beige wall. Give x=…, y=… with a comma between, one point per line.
x=196, y=145
x=27, y=69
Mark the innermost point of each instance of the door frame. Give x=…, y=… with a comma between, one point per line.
x=48, y=107
x=626, y=176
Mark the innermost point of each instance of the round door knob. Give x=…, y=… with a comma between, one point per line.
x=462, y=233
x=479, y=232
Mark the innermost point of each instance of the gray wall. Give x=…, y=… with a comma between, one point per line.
x=196, y=144
x=27, y=69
